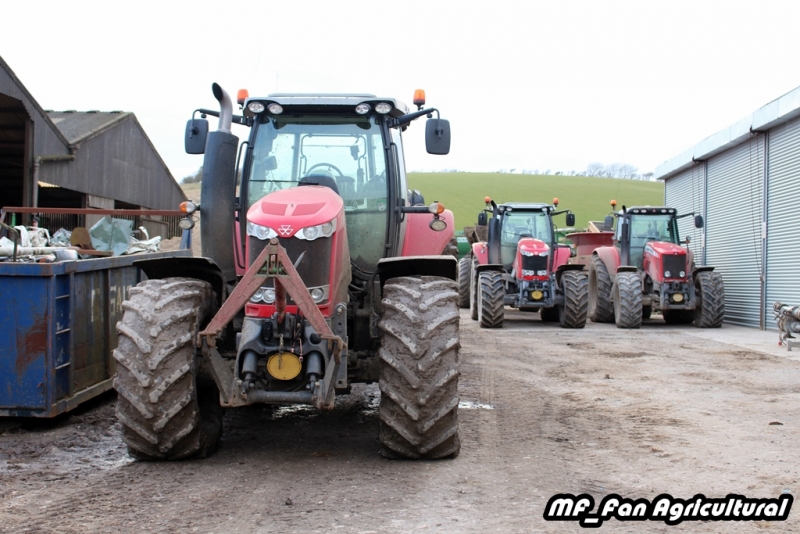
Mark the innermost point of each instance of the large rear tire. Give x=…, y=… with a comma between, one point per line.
x=464, y=270
x=419, y=368
x=473, y=289
x=628, y=300
x=601, y=309
x=491, y=301
x=163, y=412
x=710, y=292
x=573, y=312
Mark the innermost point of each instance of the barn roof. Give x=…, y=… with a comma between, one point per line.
x=77, y=126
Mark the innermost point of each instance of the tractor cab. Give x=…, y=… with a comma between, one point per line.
x=525, y=227
x=342, y=153
x=656, y=226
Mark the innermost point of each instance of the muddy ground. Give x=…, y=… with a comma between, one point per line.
x=543, y=411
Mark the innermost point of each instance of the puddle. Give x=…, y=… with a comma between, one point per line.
x=472, y=405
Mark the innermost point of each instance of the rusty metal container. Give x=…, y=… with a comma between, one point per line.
x=586, y=242
x=58, y=328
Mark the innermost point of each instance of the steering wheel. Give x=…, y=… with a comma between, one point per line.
x=332, y=167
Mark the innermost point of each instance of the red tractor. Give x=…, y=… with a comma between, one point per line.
x=521, y=265
x=641, y=267
x=318, y=272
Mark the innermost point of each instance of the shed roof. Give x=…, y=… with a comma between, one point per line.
x=777, y=112
x=80, y=125
x=11, y=91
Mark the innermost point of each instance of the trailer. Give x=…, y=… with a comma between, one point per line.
x=58, y=329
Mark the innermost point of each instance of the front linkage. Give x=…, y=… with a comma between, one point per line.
x=273, y=262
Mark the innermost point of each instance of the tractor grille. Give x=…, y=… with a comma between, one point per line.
x=534, y=264
x=315, y=267
x=674, y=264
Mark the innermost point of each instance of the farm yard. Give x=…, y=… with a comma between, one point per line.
x=543, y=410
x=381, y=317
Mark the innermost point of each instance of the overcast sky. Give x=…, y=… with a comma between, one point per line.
x=525, y=85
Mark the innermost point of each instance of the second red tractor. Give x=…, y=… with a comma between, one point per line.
x=521, y=265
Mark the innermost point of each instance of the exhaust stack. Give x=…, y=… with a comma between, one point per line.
x=218, y=189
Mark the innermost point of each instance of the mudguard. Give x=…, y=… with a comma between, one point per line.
x=561, y=255
x=481, y=252
x=610, y=257
x=700, y=270
x=190, y=267
x=561, y=269
x=490, y=267
x=442, y=266
x=420, y=239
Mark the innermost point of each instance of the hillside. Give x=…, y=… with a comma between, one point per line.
x=587, y=197
x=463, y=193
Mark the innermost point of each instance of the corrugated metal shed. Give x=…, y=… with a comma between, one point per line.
x=775, y=113
x=745, y=178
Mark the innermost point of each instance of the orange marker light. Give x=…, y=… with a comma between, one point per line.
x=188, y=207
x=555, y=202
x=437, y=208
x=487, y=199
x=419, y=97
x=613, y=203
x=241, y=96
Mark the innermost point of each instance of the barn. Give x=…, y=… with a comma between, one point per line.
x=74, y=159
x=745, y=182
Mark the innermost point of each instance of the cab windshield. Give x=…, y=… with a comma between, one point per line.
x=343, y=153
x=654, y=228
x=519, y=224
x=646, y=228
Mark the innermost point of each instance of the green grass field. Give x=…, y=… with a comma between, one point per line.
x=463, y=193
x=588, y=198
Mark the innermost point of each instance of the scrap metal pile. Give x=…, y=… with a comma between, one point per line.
x=788, y=319
x=108, y=237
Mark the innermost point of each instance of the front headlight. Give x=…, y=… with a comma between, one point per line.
x=311, y=233
x=264, y=294
x=269, y=295
x=261, y=232
x=319, y=294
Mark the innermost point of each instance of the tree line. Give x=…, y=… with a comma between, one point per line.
x=613, y=170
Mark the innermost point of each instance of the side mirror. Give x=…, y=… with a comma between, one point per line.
x=437, y=136
x=698, y=221
x=270, y=163
x=609, y=222
x=415, y=198
x=482, y=219
x=196, y=133
x=570, y=219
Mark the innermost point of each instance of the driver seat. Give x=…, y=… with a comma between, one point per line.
x=320, y=179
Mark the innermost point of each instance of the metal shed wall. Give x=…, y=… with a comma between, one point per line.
x=783, y=202
x=686, y=193
x=119, y=163
x=733, y=227
x=47, y=140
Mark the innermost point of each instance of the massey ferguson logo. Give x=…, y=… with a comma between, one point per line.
x=285, y=230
